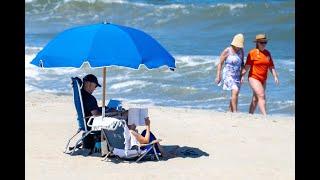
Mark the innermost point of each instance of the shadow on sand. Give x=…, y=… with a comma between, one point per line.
x=184, y=151
x=174, y=150
x=179, y=152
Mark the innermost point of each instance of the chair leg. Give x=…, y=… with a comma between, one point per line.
x=143, y=155
x=80, y=141
x=155, y=152
x=105, y=158
x=70, y=140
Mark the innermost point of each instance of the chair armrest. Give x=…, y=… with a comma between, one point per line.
x=90, y=119
x=152, y=142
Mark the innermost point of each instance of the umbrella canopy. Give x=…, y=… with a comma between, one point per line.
x=102, y=45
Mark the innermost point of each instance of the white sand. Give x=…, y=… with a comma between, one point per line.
x=239, y=146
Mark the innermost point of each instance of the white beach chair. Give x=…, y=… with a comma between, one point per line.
x=113, y=143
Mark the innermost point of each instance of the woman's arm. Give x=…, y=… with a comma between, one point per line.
x=247, y=66
x=242, y=65
x=139, y=137
x=143, y=139
x=273, y=70
x=244, y=71
x=242, y=58
x=223, y=57
x=275, y=74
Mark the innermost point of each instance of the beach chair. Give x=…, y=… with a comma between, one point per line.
x=113, y=144
x=77, y=99
x=83, y=126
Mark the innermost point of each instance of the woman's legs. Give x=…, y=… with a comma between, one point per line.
x=253, y=104
x=259, y=95
x=234, y=100
x=158, y=147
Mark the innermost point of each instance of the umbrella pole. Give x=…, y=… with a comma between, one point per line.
x=104, y=72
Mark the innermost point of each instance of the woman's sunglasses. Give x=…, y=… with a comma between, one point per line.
x=265, y=42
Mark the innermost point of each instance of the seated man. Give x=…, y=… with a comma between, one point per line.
x=146, y=137
x=90, y=105
x=91, y=108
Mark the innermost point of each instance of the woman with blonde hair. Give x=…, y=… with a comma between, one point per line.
x=232, y=58
x=259, y=61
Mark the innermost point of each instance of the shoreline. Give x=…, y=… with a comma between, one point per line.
x=126, y=105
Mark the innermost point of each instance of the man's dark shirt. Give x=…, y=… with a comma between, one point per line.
x=89, y=103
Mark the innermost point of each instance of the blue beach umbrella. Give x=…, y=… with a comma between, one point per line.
x=102, y=45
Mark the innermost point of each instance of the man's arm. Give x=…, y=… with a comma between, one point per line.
x=93, y=106
x=95, y=112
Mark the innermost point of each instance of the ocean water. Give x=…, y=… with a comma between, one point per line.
x=193, y=31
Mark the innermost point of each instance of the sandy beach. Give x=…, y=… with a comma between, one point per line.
x=227, y=146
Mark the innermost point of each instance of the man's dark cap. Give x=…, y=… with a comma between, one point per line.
x=91, y=78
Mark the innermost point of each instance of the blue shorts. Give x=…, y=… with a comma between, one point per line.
x=152, y=137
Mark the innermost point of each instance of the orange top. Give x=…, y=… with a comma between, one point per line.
x=260, y=62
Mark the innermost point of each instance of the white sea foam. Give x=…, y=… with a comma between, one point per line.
x=190, y=88
x=28, y=59
x=195, y=60
x=126, y=84
x=126, y=2
x=29, y=88
x=172, y=6
x=209, y=68
x=289, y=62
x=280, y=108
x=143, y=103
x=30, y=70
x=230, y=6
x=32, y=48
x=169, y=6
x=200, y=101
x=289, y=102
x=89, y=1
x=166, y=19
